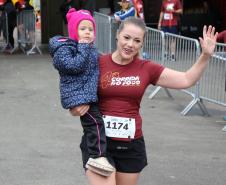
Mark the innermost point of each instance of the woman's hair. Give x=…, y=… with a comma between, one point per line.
x=135, y=21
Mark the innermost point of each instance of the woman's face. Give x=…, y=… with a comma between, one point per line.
x=130, y=41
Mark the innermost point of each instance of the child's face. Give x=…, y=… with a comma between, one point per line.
x=86, y=31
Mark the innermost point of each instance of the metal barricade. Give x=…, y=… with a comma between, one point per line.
x=4, y=36
x=106, y=32
x=114, y=29
x=213, y=81
x=186, y=51
x=26, y=32
x=180, y=53
x=103, y=32
x=153, y=45
x=153, y=49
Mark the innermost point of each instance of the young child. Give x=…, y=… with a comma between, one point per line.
x=76, y=59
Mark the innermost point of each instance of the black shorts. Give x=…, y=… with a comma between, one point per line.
x=125, y=156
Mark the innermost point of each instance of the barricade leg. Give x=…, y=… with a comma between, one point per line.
x=194, y=102
x=203, y=108
x=224, y=128
x=151, y=96
x=31, y=51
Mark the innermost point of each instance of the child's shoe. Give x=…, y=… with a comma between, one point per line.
x=100, y=166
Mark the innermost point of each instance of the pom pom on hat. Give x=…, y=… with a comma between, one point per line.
x=74, y=18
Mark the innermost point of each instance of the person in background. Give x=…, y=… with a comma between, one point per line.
x=18, y=7
x=127, y=10
x=76, y=59
x=64, y=7
x=1, y=25
x=10, y=10
x=222, y=37
x=89, y=5
x=27, y=5
x=114, y=6
x=168, y=22
x=27, y=28
x=124, y=77
x=138, y=5
x=20, y=26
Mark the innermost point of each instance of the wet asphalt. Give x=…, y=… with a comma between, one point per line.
x=39, y=141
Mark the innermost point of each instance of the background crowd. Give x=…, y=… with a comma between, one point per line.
x=9, y=11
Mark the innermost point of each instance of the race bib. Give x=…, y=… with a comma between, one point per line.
x=168, y=16
x=119, y=127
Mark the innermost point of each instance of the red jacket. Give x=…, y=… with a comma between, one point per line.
x=222, y=37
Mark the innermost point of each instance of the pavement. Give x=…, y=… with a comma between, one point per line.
x=39, y=142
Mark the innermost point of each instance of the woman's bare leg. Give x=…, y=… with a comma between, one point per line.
x=127, y=178
x=95, y=179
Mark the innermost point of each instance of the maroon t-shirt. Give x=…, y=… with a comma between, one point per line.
x=221, y=37
x=121, y=87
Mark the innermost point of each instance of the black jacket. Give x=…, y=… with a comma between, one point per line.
x=9, y=8
x=64, y=9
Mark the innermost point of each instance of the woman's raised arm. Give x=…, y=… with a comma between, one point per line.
x=181, y=80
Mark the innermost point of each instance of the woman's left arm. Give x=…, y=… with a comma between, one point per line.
x=181, y=80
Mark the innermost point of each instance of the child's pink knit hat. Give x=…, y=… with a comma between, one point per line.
x=74, y=18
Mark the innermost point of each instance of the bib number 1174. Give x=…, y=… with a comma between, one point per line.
x=119, y=127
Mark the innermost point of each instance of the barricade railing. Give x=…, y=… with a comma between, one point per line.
x=180, y=53
x=213, y=81
x=26, y=32
x=153, y=47
x=103, y=32
x=4, y=36
x=114, y=29
x=187, y=51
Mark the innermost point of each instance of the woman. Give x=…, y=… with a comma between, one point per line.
x=123, y=80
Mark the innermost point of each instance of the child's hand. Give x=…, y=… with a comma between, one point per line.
x=85, y=41
x=79, y=110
